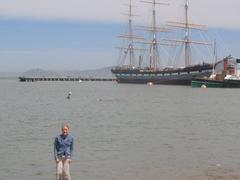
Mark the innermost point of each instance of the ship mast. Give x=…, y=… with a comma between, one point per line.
x=130, y=46
x=186, y=39
x=215, y=55
x=187, y=26
x=154, y=29
x=130, y=36
x=154, y=38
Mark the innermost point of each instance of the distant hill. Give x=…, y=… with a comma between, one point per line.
x=39, y=73
x=103, y=72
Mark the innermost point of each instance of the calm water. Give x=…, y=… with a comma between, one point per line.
x=122, y=132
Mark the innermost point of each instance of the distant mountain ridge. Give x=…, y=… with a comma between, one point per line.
x=102, y=72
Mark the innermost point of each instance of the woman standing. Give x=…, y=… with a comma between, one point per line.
x=63, y=149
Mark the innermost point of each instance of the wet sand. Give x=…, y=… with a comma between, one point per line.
x=215, y=172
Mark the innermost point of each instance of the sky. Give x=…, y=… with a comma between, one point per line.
x=78, y=35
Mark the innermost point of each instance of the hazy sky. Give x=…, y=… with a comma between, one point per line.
x=77, y=34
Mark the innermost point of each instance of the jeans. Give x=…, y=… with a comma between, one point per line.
x=63, y=169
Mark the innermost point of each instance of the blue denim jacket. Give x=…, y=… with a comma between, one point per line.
x=63, y=147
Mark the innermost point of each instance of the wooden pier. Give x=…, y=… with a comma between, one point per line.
x=79, y=79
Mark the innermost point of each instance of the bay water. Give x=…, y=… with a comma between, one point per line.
x=121, y=131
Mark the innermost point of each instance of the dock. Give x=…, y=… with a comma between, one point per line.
x=79, y=79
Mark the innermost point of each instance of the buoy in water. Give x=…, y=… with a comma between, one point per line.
x=69, y=95
x=149, y=83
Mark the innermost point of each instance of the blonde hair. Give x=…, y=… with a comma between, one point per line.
x=65, y=125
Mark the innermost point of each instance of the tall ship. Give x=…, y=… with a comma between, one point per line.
x=132, y=72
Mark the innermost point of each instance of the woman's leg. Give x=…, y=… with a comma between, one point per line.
x=59, y=168
x=66, y=169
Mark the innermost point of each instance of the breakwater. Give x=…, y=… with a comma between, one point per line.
x=79, y=79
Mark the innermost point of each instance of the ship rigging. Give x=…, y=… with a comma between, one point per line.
x=153, y=73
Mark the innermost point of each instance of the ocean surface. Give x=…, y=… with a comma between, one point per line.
x=121, y=131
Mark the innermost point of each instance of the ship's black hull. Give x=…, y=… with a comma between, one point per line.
x=182, y=76
x=170, y=80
